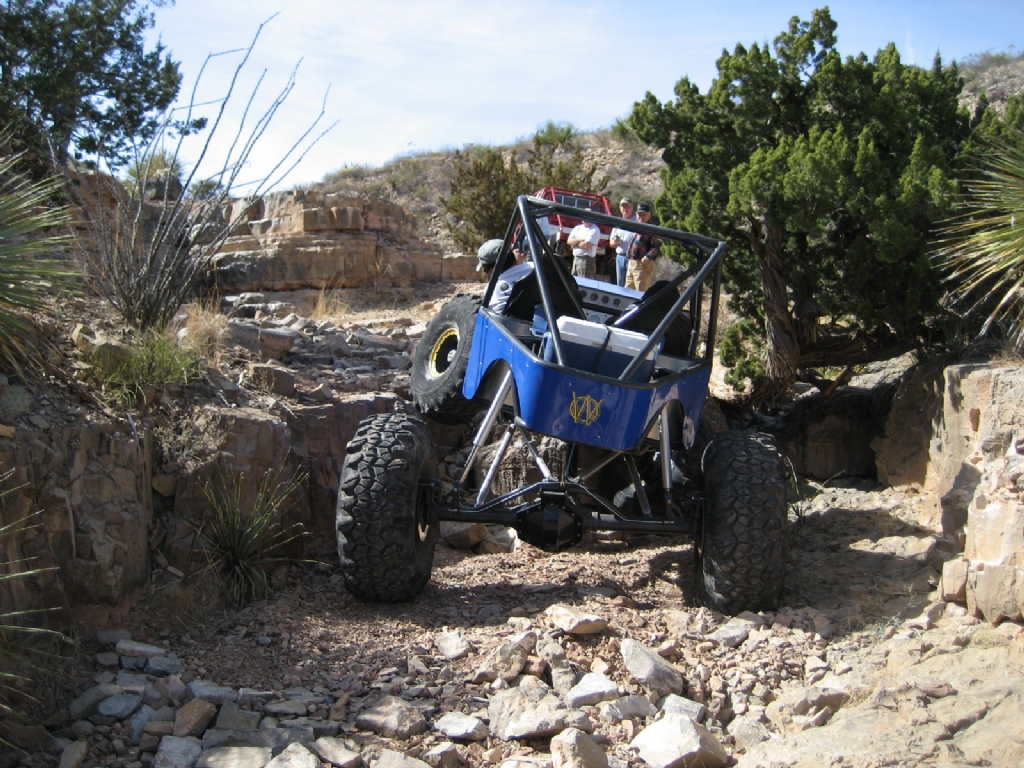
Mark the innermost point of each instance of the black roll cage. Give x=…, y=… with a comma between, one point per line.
x=549, y=267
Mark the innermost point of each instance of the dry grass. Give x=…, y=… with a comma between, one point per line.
x=380, y=279
x=204, y=329
x=329, y=305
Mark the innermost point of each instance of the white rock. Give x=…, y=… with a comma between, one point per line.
x=135, y=648
x=573, y=748
x=295, y=755
x=391, y=759
x=457, y=725
x=676, y=741
x=177, y=752
x=650, y=669
x=234, y=757
x=332, y=750
x=680, y=705
x=453, y=645
x=627, y=708
x=592, y=689
x=575, y=622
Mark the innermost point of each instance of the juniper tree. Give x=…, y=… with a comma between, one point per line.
x=826, y=176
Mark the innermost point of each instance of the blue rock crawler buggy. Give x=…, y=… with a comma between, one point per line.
x=619, y=379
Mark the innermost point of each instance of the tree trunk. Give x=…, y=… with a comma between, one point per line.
x=783, y=346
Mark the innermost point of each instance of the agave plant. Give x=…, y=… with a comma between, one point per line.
x=245, y=539
x=17, y=633
x=33, y=232
x=982, y=248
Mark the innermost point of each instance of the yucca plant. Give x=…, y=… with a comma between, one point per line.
x=982, y=248
x=18, y=635
x=33, y=233
x=244, y=540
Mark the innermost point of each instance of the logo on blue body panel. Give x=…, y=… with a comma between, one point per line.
x=585, y=410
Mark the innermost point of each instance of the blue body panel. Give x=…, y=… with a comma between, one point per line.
x=577, y=406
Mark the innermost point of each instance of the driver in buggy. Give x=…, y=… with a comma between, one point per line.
x=487, y=257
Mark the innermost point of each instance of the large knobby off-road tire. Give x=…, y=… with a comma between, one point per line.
x=385, y=541
x=741, y=539
x=440, y=360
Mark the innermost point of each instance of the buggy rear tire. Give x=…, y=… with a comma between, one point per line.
x=740, y=549
x=385, y=537
x=440, y=360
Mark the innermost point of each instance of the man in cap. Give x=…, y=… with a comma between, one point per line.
x=487, y=256
x=619, y=240
x=642, y=251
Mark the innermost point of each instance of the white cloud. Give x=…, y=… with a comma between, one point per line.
x=413, y=75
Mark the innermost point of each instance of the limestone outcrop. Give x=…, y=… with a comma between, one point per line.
x=311, y=240
x=960, y=437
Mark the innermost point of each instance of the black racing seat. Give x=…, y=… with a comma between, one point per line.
x=652, y=310
x=525, y=296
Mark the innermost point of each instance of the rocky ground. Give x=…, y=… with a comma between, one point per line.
x=595, y=656
x=515, y=657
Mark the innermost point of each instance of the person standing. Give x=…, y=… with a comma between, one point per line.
x=584, y=239
x=643, y=250
x=620, y=239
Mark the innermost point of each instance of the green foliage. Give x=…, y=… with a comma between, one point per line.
x=557, y=135
x=76, y=76
x=159, y=164
x=824, y=175
x=245, y=538
x=487, y=181
x=741, y=351
x=981, y=249
x=151, y=358
x=484, y=187
x=33, y=233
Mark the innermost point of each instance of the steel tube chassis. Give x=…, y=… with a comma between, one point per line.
x=531, y=397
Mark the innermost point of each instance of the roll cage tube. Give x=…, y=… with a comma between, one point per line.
x=710, y=252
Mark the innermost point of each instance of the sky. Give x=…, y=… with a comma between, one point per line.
x=407, y=76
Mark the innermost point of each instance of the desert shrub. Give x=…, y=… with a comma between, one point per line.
x=244, y=540
x=557, y=135
x=158, y=164
x=487, y=181
x=149, y=245
x=741, y=352
x=152, y=358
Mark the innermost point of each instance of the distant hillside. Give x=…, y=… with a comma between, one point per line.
x=999, y=75
x=418, y=181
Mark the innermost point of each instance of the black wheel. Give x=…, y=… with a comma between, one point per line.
x=385, y=539
x=740, y=547
x=440, y=360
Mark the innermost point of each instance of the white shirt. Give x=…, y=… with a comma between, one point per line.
x=506, y=280
x=591, y=234
x=625, y=236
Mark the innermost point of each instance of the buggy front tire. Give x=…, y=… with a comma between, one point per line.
x=740, y=548
x=440, y=360
x=385, y=535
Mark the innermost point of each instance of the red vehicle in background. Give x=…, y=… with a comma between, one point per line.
x=559, y=225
